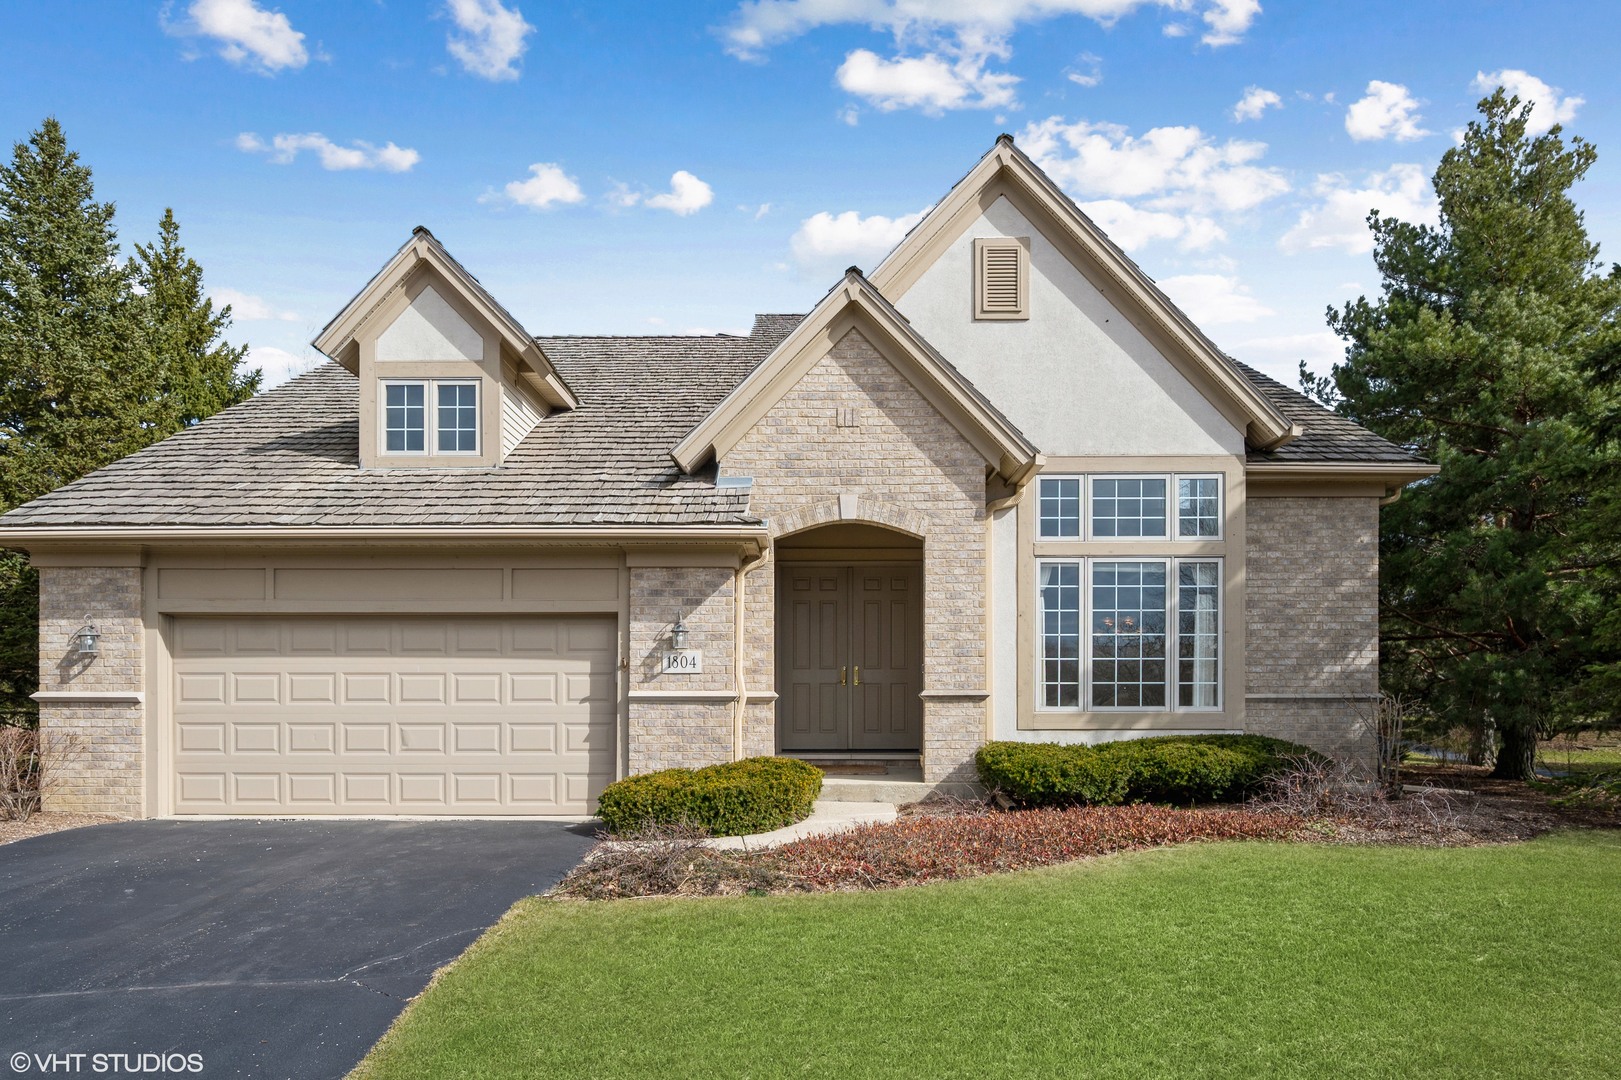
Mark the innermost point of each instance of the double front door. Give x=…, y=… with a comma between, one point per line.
x=849, y=657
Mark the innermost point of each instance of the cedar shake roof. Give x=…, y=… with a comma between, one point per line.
x=1326, y=438
x=290, y=456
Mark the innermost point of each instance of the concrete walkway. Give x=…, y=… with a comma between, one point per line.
x=828, y=816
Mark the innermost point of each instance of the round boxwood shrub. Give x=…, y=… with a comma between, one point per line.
x=740, y=797
x=1168, y=769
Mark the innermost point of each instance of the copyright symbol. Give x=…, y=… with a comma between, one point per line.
x=19, y=1062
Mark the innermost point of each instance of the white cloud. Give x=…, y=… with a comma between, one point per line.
x=849, y=238
x=930, y=82
x=943, y=47
x=279, y=365
x=1133, y=228
x=247, y=34
x=1279, y=355
x=1341, y=219
x=491, y=39
x=548, y=184
x=1387, y=111
x=1229, y=21
x=1255, y=102
x=687, y=195
x=1551, y=105
x=759, y=24
x=246, y=307
x=1180, y=167
x=1088, y=70
x=1214, y=299
x=283, y=149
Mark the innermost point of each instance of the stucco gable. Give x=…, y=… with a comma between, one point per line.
x=422, y=256
x=1006, y=173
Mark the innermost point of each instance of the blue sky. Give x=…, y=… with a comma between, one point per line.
x=668, y=168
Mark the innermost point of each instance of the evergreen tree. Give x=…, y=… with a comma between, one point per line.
x=98, y=358
x=183, y=334
x=66, y=326
x=1481, y=353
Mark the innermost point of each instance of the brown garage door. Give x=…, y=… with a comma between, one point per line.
x=326, y=714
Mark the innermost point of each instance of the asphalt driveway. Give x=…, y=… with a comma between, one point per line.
x=270, y=948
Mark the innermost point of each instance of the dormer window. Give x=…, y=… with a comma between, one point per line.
x=405, y=419
x=458, y=417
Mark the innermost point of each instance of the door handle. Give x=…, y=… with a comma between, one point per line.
x=842, y=671
x=858, y=674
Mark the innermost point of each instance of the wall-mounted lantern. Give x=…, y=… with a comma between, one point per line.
x=87, y=640
x=680, y=658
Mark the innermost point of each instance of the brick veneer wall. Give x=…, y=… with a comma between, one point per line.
x=672, y=733
x=902, y=462
x=98, y=746
x=1312, y=595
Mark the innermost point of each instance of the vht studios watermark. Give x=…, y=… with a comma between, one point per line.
x=108, y=1064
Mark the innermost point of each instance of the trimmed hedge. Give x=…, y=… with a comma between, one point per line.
x=740, y=797
x=1176, y=769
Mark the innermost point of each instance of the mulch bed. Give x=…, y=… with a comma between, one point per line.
x=919, y=847
x=941, y=841
x=49, y=822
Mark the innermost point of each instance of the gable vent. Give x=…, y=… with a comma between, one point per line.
x=1001, y=276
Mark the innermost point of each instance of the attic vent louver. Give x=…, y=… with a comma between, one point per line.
x=1001, y=277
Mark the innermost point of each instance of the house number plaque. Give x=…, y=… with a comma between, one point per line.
x=683, y=662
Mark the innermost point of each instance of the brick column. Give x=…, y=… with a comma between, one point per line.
x=95, y=743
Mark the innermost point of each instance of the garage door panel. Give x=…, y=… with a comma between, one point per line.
x=380, y=714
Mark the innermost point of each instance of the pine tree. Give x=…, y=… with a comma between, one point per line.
x=182, y=334
x=1495, y=576
x=66, y=325
x=98, y=358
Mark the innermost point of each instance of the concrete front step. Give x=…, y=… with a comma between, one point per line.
x=881, y=789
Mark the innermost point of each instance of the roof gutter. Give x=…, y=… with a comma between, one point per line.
x=749, y=537
x=1402, y=472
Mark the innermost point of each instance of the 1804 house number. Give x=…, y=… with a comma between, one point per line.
x=684, y=662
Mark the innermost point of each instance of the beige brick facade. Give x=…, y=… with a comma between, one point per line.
x=1312, y=660
x=666, y=731
x=899, y=464
x=100, y=744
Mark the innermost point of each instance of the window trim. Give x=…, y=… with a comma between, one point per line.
x=1176, y=500
x=1080, y=525
x=430, y=417
x=1170, y=488
x=478, y=418
x=382, y=418
x=1172, y=564
x=1018, y=244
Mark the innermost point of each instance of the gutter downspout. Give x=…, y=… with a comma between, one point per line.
x=740, y=706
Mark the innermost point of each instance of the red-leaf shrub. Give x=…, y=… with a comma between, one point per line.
x=927, y=848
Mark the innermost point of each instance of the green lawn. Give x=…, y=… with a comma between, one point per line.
x=1209, y=960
